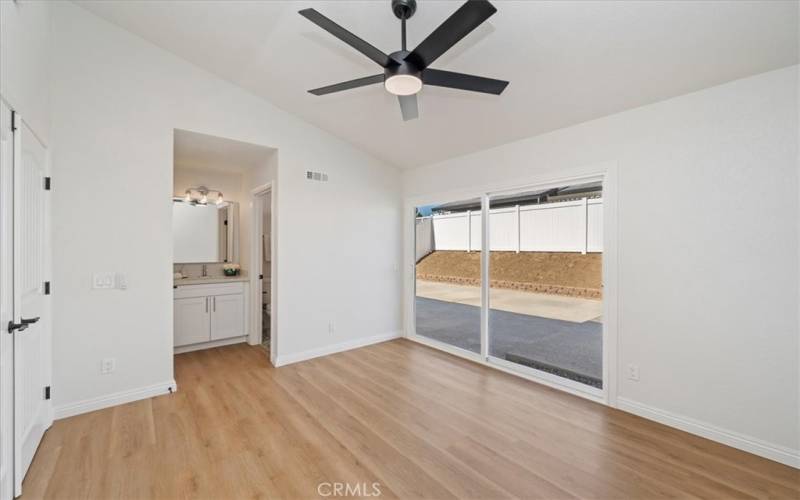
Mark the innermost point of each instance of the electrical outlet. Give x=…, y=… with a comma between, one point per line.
x=633, y=372
x=330, y=327
x=108, y=365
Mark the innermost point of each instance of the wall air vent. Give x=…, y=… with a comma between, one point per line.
x=316, y=176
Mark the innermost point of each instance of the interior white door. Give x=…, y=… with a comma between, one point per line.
x=227, y=316
x=191, y=320
x=6, y=305
x=32, y=411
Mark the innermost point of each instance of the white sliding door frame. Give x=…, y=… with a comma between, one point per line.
x=605, y=172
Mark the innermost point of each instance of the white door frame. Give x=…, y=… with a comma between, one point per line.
x=607, y=172
x=6, y=307
x=256, y=228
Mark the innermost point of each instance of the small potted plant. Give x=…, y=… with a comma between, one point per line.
x=231, y=269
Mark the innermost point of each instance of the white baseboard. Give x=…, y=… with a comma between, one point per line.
x=786, y=456
x=332, y=349
x=209, y=345
x=115, y=399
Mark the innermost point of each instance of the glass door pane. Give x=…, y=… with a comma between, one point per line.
x=448, y=273
x=545, y=291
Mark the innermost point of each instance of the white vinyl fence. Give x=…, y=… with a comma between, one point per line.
x=568, y=226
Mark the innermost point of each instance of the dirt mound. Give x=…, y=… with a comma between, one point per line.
x=563, y=273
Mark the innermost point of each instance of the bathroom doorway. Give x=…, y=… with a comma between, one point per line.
x=263, y=283
x=217, y=253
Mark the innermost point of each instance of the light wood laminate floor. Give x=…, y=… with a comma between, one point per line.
x=418, y=422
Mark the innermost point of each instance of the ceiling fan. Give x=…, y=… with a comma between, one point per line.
x=405, y=72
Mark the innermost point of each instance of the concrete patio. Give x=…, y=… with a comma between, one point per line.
x=574, y=309
x=559, y=335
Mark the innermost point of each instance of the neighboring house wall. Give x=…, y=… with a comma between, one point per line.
x=567, y=226
x=707, y=199
x=116, y=101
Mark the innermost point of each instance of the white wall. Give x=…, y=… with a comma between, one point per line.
x=707, y=245
x=24, y=62
x=116, y=100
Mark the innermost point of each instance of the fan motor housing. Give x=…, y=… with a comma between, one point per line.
x=404, y=9
x=402, y=67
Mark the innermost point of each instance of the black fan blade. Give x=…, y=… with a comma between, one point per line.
x=350, y=39
x=468, y=17
x=439, y=78
x=352, y=84
x=408, y=106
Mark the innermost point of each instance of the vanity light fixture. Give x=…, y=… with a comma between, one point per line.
x=199, y=195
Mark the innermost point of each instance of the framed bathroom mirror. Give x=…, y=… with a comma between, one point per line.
x=205, y=233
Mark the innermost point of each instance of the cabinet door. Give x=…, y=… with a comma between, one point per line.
x=191, y=320
x=227, y=316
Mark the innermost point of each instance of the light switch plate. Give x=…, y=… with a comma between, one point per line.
x=103, y=281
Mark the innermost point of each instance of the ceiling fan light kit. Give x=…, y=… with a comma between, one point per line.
x=404, y=72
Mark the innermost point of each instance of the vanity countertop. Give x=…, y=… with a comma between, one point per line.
x=208, y=280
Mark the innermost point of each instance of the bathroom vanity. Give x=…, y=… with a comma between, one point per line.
x=209, y=312
x=210, y=309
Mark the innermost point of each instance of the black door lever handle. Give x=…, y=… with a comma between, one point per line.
x=16, y=326
x=29, y=321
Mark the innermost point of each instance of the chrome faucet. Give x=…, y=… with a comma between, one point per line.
x=205, y=271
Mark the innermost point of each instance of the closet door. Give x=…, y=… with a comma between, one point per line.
x=191, y=317
x=32, y=408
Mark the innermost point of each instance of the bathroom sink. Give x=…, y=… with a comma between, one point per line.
x=200, y=280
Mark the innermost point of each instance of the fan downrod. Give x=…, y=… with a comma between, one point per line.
x=404, y=9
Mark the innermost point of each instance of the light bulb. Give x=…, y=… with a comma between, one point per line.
x=219, y=199
x=204, y=199
x=403, y=84
x=188, y=196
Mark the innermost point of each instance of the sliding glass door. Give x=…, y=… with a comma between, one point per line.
x=447, y=301
x=543, y=274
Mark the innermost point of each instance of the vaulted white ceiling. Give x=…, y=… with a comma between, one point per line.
x=192, y=149
x=568, y=62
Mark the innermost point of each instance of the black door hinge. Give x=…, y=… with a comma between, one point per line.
x=47, y=392
x=47, y=183
x=47, y=288
x=13, y=121
x=226, y=222
x=261, y=276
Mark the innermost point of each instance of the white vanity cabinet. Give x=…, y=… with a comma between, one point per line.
x=208, y=315
x=227, y=316
x=192, y=321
